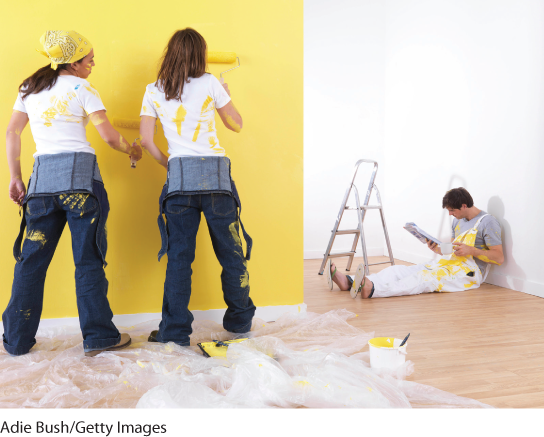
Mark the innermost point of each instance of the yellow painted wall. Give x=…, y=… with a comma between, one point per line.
x=128, y=37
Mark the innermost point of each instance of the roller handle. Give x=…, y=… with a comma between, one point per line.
x=132, y=162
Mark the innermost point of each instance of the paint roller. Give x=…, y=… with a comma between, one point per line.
x=223, y=58
x=213, y=58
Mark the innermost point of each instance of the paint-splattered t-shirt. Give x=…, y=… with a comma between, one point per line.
x=189, y=124
x=58, y=116
x=489, y=233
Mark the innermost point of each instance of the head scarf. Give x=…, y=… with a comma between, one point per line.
x=64, y=46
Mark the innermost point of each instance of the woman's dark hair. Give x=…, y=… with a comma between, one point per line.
x=456, y=198
x=184, y=57
x=43, y=79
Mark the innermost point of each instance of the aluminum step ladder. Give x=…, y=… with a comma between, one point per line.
x=361, y=213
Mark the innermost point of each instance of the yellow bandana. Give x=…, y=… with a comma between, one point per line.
x=64, y=46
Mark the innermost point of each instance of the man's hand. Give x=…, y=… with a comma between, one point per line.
x=17, y=191
x=434, y=247
x=460, y=249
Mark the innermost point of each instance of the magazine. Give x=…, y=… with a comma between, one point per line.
x=420, y=234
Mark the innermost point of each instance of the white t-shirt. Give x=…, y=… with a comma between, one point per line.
x=58, y=116
x=189, y=125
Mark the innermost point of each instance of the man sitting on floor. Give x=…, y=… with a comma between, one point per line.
x=476, y=238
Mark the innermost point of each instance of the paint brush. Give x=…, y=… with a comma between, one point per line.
x=405, y=340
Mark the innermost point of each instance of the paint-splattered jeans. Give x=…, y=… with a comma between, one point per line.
x=183, y=214
x=46, y=217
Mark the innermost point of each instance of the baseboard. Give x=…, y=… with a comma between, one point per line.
x=517, y=284
x=268, y=314
x=318, y=254
x=512, y=283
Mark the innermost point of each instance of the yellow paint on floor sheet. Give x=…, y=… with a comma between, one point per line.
x=37, y=236
x=180, y=117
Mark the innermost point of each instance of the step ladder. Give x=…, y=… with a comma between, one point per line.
x=361, y=213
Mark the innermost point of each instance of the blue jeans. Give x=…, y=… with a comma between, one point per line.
x=46, y=217
x=182, y=220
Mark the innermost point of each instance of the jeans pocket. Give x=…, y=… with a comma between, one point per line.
x=35, y=206
x=177, y=204
x=223, y=204
x=79, y=203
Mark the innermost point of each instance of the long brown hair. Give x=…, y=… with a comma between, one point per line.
x=43, y=79
x=184, y=57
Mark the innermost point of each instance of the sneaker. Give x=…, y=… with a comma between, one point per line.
x=123, y=343
x=153, y=336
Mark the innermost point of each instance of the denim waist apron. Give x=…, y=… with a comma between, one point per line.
x=197, y=175
x=67, y=173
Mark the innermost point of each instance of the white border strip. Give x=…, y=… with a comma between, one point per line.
x=268, y=314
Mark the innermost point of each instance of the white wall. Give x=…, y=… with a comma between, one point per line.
x=464, y=105
x=443, y=94
x=344, y=77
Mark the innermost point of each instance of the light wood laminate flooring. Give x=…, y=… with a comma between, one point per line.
x=485, y=344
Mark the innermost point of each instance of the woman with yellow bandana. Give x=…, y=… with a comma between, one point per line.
x=65, y=187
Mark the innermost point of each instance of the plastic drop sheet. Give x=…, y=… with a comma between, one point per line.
x=301, y=360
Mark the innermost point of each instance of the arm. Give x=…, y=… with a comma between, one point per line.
x=229, y=115
x=17, y=123
x=113, y=138
x=147, y=131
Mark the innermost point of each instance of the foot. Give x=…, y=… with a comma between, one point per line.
x=123, y=343
x=367, y=289
x=153, y=337
x=339, y=278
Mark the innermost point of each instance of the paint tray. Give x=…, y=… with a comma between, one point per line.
x=217, y=349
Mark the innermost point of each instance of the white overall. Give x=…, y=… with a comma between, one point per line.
x=448, y=274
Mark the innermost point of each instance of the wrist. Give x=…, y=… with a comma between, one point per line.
x=16, y=178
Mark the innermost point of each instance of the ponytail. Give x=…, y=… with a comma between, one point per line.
x=43, y=79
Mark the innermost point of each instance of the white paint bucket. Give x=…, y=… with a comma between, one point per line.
x=385, y=352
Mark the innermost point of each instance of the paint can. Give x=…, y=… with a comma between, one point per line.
x=385, y=352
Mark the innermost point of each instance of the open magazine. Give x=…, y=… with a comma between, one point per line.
x=419, y=233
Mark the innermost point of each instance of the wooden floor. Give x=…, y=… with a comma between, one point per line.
x=485, y=344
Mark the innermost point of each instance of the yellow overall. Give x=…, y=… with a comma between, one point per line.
x=451, y=271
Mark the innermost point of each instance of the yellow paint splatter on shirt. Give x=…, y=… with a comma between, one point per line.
x=156, y=104
x=37, y=236
x=180, y=117
x=145, y=108
x=92, y=90
x=487, y=260
x=205, y=117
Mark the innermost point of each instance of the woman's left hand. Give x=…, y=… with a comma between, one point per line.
x=135, y=151
x=17, y=191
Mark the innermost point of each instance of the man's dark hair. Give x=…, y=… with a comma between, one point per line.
x=456, y=198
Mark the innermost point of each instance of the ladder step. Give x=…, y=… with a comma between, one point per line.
x=364, y=207
x=348, y=231
x=385, y=262
x=337, y=255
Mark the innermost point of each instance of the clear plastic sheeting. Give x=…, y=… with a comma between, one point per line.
x=301, y=360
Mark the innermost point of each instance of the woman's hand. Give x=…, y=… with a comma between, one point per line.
x=135, y=152
x=17, y=191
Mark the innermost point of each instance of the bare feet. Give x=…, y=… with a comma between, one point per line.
x=340, y=279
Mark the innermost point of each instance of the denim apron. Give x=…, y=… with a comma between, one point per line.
x=199, y=175
x=67, y=173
